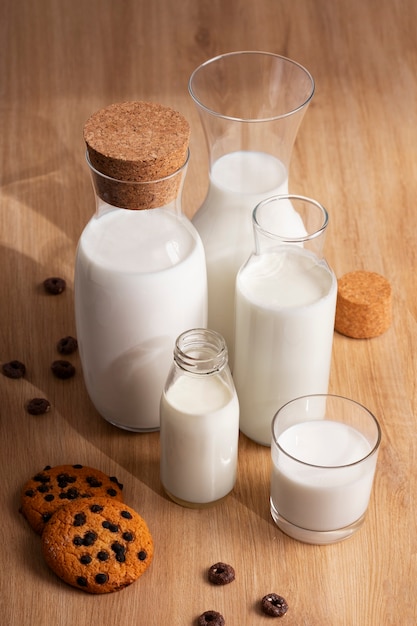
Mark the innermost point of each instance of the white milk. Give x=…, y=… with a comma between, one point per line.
x=285, y=307
x=238, y=182
x=325, y=498
x=140, y=281
x=199, y=439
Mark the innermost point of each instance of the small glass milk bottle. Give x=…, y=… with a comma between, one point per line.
x=140, y=273
x=199, y=422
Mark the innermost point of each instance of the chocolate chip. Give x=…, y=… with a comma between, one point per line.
x=211, y=617
x=126, y=514
x=114, y=480
x=54, y=285
x=89, y=538
x=77, y=466
x=67, y=345
x=96, y=508
x=102, y=555
x=62, y=369
x=82, y=582
x=274, y=605
x=14, y=369
x=221, y=574
x=64, y=480
x=49, y=498
x=142, y=555
x=101, y=579
x=70, y=494
x=120, y=552
x=85, y=559
x=93, y=481
x=79, y=519
x=30, y=493
x=111, y=492
x=42, y=478
x=128, y=536
x=38, y=406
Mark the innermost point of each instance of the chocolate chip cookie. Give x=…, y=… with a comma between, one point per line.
x=97, y=545
x=53, y=487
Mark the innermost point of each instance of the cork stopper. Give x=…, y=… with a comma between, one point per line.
x=135, y=145
x=364, y=305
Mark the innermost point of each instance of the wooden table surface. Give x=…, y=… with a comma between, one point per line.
x=356, y=152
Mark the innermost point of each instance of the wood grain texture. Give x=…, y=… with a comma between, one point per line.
x=356, y=152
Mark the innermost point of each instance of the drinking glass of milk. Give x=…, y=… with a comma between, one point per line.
x=251, y=105
x=199, y=422
x=284, y=313
x=324, y=453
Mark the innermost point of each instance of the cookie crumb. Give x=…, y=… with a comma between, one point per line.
x=274, y=605
x=221, y=574
x=67, y=345
x=63, y=369
x=213, y=618
x=38, y=406
x=54, y=285
x=14, y=369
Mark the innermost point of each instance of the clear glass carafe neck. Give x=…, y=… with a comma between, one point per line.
x=251, y=101
x=290, y=220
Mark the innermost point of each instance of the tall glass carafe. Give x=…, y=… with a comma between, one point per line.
x=251, y=105
x=285, y=310
x=140, y=274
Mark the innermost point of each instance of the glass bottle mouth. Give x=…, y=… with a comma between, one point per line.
x=290, y=222
x=201, y=351
x=314, y=218
x=138, y=194
x=245, y=68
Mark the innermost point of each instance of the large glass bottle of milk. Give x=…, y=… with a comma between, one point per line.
x=285, y=310
x=140, y=273
x=251, y=105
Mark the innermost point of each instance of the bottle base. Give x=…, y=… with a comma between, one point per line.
x=316, y=537
x=132, y=429
x=194, y=505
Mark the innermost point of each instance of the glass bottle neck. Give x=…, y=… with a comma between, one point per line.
x=201, y=351
x=138, y=194
x=289, y=221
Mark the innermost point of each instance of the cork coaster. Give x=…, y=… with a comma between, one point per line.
x=364, y=305
x=138, y=143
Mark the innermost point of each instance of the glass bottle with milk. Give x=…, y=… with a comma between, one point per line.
x=251, y=105
x=140, y=273
x=284, y=316
x=199, y=422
